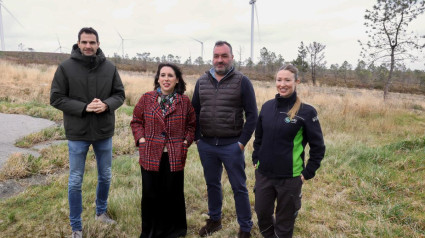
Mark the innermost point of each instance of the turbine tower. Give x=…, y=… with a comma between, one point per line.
x=202, y=47
x=253, y=8
x=3, y=48
x=1, y=28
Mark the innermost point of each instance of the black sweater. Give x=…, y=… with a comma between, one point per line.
x=279, y=142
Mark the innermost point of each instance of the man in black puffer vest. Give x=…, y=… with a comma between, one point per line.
x=220, y=98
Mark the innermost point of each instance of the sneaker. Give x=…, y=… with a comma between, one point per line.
x=211, y=227
x=104, y=217
x=77, y=234
x=244, y=234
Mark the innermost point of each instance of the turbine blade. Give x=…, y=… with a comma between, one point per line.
x=16, y=19
x=196, y=40
x=258, y=23
x=120, y=35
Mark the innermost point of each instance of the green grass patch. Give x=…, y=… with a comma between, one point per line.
x=34, y=108
x=389, y=179
x=128, y=110
x=407, y=118
x=48, y=134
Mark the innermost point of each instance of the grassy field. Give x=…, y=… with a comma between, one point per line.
x=370, y=183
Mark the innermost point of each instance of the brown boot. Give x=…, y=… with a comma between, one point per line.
x=210, y=227
x=244, y=234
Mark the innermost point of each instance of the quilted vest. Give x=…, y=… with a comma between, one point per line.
x=221, y=108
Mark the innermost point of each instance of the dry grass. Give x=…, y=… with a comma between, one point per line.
x=24, y=165
x=364, y=188
x=25, y=83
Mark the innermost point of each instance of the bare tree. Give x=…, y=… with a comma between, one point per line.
x=315, y=51
x=389, y=42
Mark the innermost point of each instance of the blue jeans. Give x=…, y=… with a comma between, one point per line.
x=77, y=161
x=213, y=158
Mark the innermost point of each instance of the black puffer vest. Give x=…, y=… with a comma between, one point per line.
x=221, y=108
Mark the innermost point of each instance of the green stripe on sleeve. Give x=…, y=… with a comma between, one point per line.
x=297, y=162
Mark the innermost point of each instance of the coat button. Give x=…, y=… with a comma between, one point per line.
x=163, y=133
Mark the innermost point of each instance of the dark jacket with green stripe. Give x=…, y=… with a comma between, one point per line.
x=279, y=142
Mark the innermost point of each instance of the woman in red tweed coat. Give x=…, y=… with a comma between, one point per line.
x=163, y=126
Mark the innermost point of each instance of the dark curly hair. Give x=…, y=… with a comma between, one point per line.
x=181, y=86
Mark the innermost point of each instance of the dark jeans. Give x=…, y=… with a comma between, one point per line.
x=213, y=158
x=287, y=193
x=163, y=204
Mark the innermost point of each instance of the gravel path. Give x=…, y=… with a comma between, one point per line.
x=13, y=127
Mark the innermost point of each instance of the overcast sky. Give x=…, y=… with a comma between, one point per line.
x=164, y=27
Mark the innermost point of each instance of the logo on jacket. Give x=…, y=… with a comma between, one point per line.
x=288, y=120
x=316, y=118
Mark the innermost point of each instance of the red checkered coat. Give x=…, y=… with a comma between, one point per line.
x=159, y=131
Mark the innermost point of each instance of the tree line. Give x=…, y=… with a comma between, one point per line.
x=388, y=46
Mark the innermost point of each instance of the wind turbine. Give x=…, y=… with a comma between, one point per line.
x=60, y=46
x=202, y=46
x=122, y=43
x=3, y=48
x=253, y=8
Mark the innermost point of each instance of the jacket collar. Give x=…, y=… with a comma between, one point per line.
x=157, y=109
x=211, y=72
x=91, y=62
x=283, y=102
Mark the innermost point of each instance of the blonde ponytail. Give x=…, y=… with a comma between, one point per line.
x=294, y=110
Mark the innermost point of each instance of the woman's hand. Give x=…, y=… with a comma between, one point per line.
x=302, y=178
x=185, y=141
x=142, y=140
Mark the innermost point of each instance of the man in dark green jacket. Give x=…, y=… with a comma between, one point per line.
x=88, y=89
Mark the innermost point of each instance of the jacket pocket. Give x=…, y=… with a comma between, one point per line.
x=105, y=122
x=142, y=150
x=75, y=126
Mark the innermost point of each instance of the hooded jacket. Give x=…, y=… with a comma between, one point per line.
x=77, y=81
x=280, y=142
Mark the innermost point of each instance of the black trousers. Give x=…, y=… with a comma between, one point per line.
x=287, y=195
x=163, y=204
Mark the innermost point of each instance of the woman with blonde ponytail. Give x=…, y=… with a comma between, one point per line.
x=284, y=127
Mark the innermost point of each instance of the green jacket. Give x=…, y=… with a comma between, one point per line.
x=77, y=81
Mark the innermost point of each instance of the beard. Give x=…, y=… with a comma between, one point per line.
x=223, y=71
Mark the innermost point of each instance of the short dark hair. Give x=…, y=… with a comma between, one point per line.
x=222, y=42
x=181, y=86
x=88, y=30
